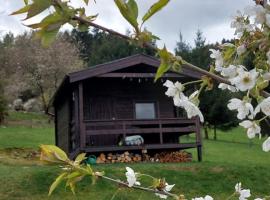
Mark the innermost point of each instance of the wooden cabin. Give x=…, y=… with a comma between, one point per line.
x=98, y=107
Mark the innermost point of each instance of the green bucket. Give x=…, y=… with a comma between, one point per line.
x=92, y=160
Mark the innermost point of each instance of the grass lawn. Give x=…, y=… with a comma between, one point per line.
x=231, y=159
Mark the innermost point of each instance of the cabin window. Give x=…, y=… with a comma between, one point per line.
x=145, y=110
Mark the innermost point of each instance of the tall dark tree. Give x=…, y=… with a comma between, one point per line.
x=182, y=49
x=98, y=47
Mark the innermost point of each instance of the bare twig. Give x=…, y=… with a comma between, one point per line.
x=137, y=187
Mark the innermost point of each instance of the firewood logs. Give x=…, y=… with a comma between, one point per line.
x=128, y=157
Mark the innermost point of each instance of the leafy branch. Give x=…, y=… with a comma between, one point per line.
x=48, y=28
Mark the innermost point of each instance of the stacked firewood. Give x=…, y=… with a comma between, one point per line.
x=177, y=156
x=127, y=157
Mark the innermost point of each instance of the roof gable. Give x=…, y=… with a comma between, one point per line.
x=121, y=64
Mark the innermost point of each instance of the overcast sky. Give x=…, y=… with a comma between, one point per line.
x=210, y=16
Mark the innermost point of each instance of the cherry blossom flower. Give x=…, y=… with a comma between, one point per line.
x=174, y=89
x=266, y=76
x=191, y=109
x=245, y=80
x=131, y=177
x=264, y=106
x=258, y=11
x=216, y=54
x=231, y=71
x=207, y=197
x=268, y=57
x=240, y=25
x=243, y=108
x=244, y=193
x=252, y=128
x=267, y=20
x=238, y=187
x=167, y=188
x=224, y=86
x=241, y=49
x=266, y=145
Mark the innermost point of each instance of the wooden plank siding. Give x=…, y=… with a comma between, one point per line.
x=62, y=125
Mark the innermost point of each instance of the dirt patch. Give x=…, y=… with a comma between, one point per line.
x=19, y=156
x=217, y=169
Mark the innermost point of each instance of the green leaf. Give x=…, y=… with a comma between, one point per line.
x=22, y=10
x=37, y=7
x=80, y=158
x=57, y=181
x=129, y=11
x=26, y=2
x=154, y=8
x=86, y=2
x=52, y=153
x=133, y=7
x=48, y=37
x=165, y=63
x=83, y=27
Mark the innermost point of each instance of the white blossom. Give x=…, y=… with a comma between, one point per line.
x=245, y=80
x=216, y=54
x=258, y=11
x=241, y=49
x=174, y=89
x=266, y=145
x=252, y=128
x=231, y=71
x=258, y=199
x=224, y=86
x=268, y=57
x=264, y=106
x=240, y=24
x=167, y=188
x=207, y=197
x=244, y=193
x=266, y=76
x=238, y=187
x=131, y=177
x=267, y=20
x=243, y=108
x=191, y=109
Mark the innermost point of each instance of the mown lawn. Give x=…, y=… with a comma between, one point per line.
x=231, y=159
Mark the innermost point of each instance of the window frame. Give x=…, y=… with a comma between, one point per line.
x=156, y=108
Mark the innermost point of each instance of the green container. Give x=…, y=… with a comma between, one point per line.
x=92, y=160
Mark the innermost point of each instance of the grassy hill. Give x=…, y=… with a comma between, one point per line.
x=230, y=159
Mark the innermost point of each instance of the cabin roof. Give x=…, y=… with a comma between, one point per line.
x=115, y=65
x=121, y=64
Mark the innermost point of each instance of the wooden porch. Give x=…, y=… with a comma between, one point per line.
x=159, y=134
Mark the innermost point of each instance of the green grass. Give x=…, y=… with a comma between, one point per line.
x=231, y=159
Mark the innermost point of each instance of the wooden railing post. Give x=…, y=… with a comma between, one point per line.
x=160, y=132
x=81, y=116
x=124, y=131
x=198, y=139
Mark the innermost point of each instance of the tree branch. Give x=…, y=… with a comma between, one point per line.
x=137, y=187
x=215, y=77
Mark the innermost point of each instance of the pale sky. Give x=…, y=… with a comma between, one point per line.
x=213, y=17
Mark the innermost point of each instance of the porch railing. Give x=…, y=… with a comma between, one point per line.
x=159, y=128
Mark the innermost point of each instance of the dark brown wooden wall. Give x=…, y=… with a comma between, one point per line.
x=62, y=124
x=108, y=98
